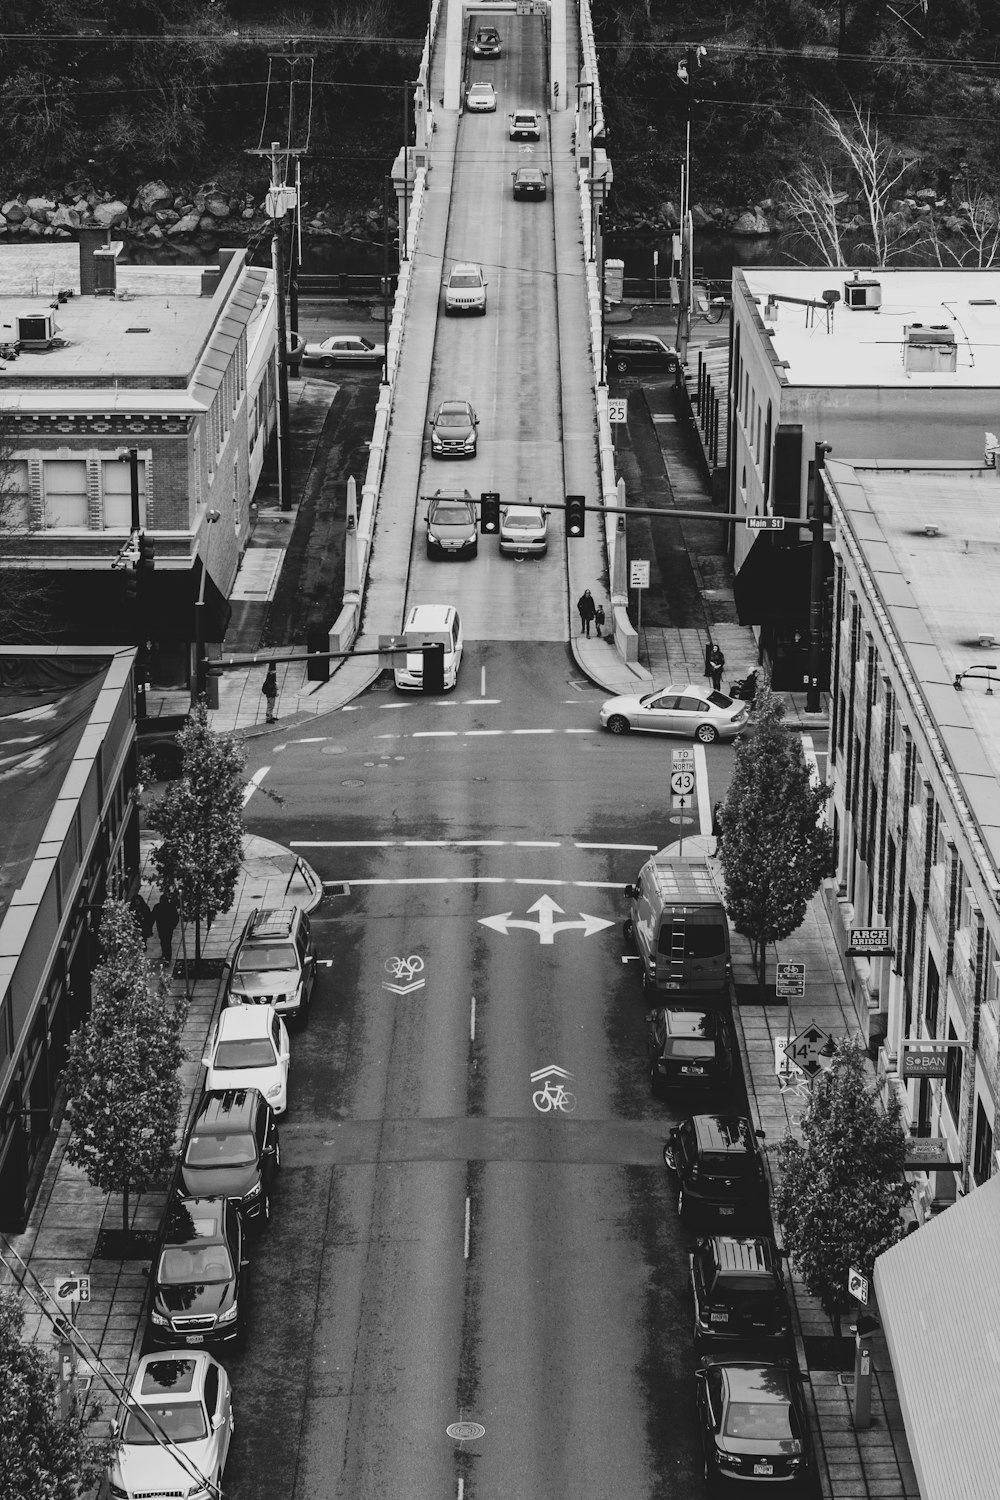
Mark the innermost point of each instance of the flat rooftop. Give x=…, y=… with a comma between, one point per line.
x=156, y=326
x=939, y=592
x=864, y=348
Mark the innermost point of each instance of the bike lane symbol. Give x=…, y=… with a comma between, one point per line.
x=553, y=1094
x=404, y=969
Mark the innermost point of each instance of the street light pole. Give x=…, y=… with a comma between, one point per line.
x=198, y=675
x=816, y=582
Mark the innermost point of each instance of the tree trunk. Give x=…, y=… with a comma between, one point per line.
x=197, y=942
x=125, y=1208
x=762, y=970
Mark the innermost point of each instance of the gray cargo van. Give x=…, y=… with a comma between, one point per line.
x=678, y=924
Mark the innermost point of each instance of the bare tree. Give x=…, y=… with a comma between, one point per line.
x=24, y=593
x=975, y=240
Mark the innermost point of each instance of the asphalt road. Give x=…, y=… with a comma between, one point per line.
x=441, y=1250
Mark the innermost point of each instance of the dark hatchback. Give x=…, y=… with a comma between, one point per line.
x=232, y=1150
x=198, y=1291
x=641, y=354
x=719, y=1168
x=687, y=1046
x=752, y=1423
x=739, y=1290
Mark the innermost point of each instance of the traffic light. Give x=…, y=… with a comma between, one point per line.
x=433, y=673
x=489, y=511
x=147, y=556
x=130, y=583
x=576, y=516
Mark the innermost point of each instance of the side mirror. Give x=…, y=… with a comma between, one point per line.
x=206, y=1059
x=146, y=1271
x=244, y=1264
x=217, y=1421
x=760, y=1134
x=650, y=1016
x=631, y=891
x=700, y=1374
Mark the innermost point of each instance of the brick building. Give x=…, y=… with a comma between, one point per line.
x=176, y=364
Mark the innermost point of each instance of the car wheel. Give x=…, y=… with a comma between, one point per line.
x=475, y=551
x=618, y=724
x=668, y=1157
x=326, y=364
x=627, y=929
x=621, y=366
x=706, y=734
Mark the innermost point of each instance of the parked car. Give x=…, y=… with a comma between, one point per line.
x=274, y=962
x=687, y=1046
x=232, y=1148
x=530, y=182
x=487, y=42
x=752, y=1422
x=183, y=1396
x=248, y=1048
x=343, y=349
x=453, y=430
x=690, y=710
x=634, y=353
x=525, y=125
x=452, y=525
x=739, y=1290
x=719, y=1168
x=481, y=97
x=198, y=1291
x=465, y=289
x=524, y=530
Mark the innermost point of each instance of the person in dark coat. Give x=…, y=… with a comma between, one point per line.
x=166, y=916
x=588, y=609
x=599, y=619
x=715, y=665
x=143, y=917
x=270, y=691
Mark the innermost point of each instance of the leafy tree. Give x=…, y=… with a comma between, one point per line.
x=24, y=593
x=842, y=1186
x=775, y=852
x=200, y=820
x=121, y=1078
x=42, y=1455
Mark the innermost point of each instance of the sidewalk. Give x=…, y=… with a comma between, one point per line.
x=69, y=1215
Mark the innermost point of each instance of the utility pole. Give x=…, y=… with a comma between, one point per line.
x=144, y=555
x=816, y=582
x=686, y=72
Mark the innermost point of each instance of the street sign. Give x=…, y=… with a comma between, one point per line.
x=765, y=523
x=857, y=1286
x=790, y=981
x=925, y=1062
x=617, y=409
x=682, y=782
x=638, y=574
x=811, y=1049
x=70, y=1289
x=682, y=758
x=867, y=942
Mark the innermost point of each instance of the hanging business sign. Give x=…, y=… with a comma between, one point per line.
x=869, y=942
x=925, y=1062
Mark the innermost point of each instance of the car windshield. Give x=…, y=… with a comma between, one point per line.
x=464, y=278
x=452, y=419
x=256, y=959
x=181, y=1421
x=244, y=1052
x=454, y=514
x=759, y=1421
x=739, y=1164
x=182, y=1264
x=523, y=523
x=221, y=1150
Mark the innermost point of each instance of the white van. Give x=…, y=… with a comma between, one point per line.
x=431, y=623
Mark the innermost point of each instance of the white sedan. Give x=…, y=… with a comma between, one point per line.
x=481, y=97
x=343, y=349
x=690, y=710
x=174, y=1428
x=248, y=1049
x=524, y=530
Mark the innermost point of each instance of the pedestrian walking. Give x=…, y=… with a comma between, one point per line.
x=599, y=618
x=715, y=665
x=270, y=691
x=166, y=916
x=142, y=916
x=588, y=609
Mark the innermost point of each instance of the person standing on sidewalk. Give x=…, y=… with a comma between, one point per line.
x=715, y=665
x=166, y=916
x=142, y=916
x=270, y=691
x=588, y=609
x=599, y=618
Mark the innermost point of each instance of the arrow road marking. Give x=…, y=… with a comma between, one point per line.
x=546, y=926
x=403, y=989
x=552, y=1071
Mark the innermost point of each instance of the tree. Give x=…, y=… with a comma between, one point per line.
x=25, y=594
x=842, y=1186
x=42, y=1456
x=123, y=1091
x=775, y=851
x=200, y=819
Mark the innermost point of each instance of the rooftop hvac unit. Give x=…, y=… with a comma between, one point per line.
x=863, y=294
x=929, y=349
x=36, y=330
x=105, y=272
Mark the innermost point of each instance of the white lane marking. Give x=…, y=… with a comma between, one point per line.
x=459, y=844
x=579, y=731
x=351, y=708
x=468, y=1218
x=395, y=705
x=482, y=670
x=472, y=1020
x=590, y=885
x=434, y=734
x=629, y=848
x=318, y=739
x=254, y=783
x=480, y=702
x=532, y=731
x=702, y=792
x=482, y=734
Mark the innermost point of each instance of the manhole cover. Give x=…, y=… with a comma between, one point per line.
x=353, y=781
x=334, y=749
x=466, y=1432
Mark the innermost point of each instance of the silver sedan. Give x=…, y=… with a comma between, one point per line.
x=689, y=710
x=343, y=349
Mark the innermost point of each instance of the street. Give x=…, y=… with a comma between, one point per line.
x=442, y=1250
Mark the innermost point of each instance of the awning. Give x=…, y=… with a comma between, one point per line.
x=89, y=608
x=773, y=583
x=939, y=1299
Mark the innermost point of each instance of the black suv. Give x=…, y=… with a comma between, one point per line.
x=197, y=1286
x=739, y=1290
x=753, y=1425
x=232, y=1148
x=274, y=962
x=634, y=354
x=719, y=1168
x=687, y=1045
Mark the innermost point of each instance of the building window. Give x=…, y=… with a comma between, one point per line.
x=982, y=1162
x=953, y=1077
x=116, y=483
x=890, y=878
x=933, y=995
x=841, y=721
x=65, y=490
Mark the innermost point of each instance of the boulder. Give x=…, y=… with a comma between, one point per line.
x=32, y=227
x=154, y=233
x=206, y=224
x=154, y=195
x=81, y=206
x=109, y=215
x=248, y=213
x=751, y=223
x=667, y=213
x=165, y=217
x=3, y=223
x=699, y=218
x=40, y=208
x=65, y=218
x=925, y=195
x=188, y=224
x=217, y=206
x=14, y=212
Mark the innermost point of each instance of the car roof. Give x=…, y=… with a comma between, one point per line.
x=762, y=1383
x=466, y=267
x=430, y=617
x=525, y=510
x=181, y=1374
x=483, y=84
x=680, y=1020
x=530, y=172
x=455, y=405
x=229, y=1109
x=246, y=1020
x=746, y=1256
x=272, y=922
x=722, y=1133
x=637, y=338
x=522, y=111
x=202, y=1212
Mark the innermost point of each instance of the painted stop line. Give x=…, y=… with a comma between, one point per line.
x=545, y=925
